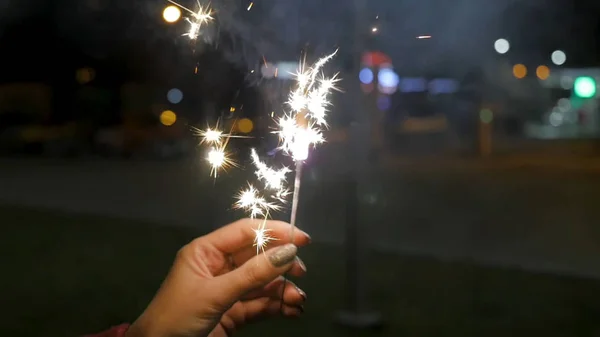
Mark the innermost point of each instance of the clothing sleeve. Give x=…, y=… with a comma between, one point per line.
x=116, y=331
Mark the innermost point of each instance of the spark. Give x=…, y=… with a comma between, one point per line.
x=210, y=136
x=254, y=203
x=198, y=18
x=309, y=101
x=273, y=179
x=250, y=6
x=219, y=159
x=215, y=136
x=262, y=237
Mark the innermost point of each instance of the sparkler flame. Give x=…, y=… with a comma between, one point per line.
x=273, y=179
x=198, y=18
x=262, y=237
x=302, y=126
x=298, y=129
x=254, y=203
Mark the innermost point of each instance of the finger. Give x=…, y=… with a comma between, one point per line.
x=298, y=269
x=254, y=274
x=241, y=234
x=265, y=307
x=292, y=295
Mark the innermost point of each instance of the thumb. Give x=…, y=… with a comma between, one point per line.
x=255, y=273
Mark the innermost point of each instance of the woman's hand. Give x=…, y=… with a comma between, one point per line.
x=218, y=283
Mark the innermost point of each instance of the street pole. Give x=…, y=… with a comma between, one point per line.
x=357, y=313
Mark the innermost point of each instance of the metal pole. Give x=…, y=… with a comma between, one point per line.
x=357, y=314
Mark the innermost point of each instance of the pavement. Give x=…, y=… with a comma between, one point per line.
x=527, y=213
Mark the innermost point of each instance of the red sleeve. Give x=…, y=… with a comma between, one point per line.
x=116, y=331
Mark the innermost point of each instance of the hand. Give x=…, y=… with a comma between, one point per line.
x=218, y=283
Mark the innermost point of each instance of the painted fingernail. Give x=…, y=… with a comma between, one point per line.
x=283, y=255
x=301, y=264
x=302, y=293
x=307, y=236
x=301, y=308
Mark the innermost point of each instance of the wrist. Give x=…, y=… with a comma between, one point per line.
x=143, y=327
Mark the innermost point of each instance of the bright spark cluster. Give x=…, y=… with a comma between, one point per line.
x=298, y=130
x=198, y=18
x=302, y=126
x=262, y=237
x=251, y=200
x=273, y=179
x=218, y=158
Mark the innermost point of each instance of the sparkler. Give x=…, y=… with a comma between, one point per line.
x=198, y=18
x=302, y=127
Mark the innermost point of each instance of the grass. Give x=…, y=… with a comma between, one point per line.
x=65, y=275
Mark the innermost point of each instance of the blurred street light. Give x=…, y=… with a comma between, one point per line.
x=502, y=46
x=520, y=71
x=174, y=96
x=558, y=57
x=585, y=87
x=542, y=72
x=168, y=118
x=171, y=14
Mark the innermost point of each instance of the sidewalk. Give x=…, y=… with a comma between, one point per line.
x=498, y=162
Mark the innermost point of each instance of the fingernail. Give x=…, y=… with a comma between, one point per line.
x=301, y=308
x=283, y=255
x=301, y=264
x=302, y=293
x=307, y=236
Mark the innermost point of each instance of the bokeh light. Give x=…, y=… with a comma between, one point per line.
x=519, y=71
x=502, y=46
x=366, y=76
x=555, y=119
x=168, y=118
x=388, y=78
x=85, y=75
x=585, y=87
x=558, y=57
x=245, y=125
x=542, y=72
x=171, y=14
x=486, y=116
x=174, y=96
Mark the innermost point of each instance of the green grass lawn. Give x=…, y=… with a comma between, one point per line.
x=64, y=275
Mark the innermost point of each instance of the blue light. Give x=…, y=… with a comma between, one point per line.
x=443, y=86
x=408, y=85
x=388, y=78
x=384, y=103
x=366, y=76
x=174, y=96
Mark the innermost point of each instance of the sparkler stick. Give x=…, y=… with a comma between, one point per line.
x=295, y=198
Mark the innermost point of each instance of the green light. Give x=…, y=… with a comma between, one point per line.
x=585, y=87
x=486, y=116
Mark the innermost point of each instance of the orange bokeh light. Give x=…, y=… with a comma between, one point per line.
x=542, y=72
x=520, y=71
